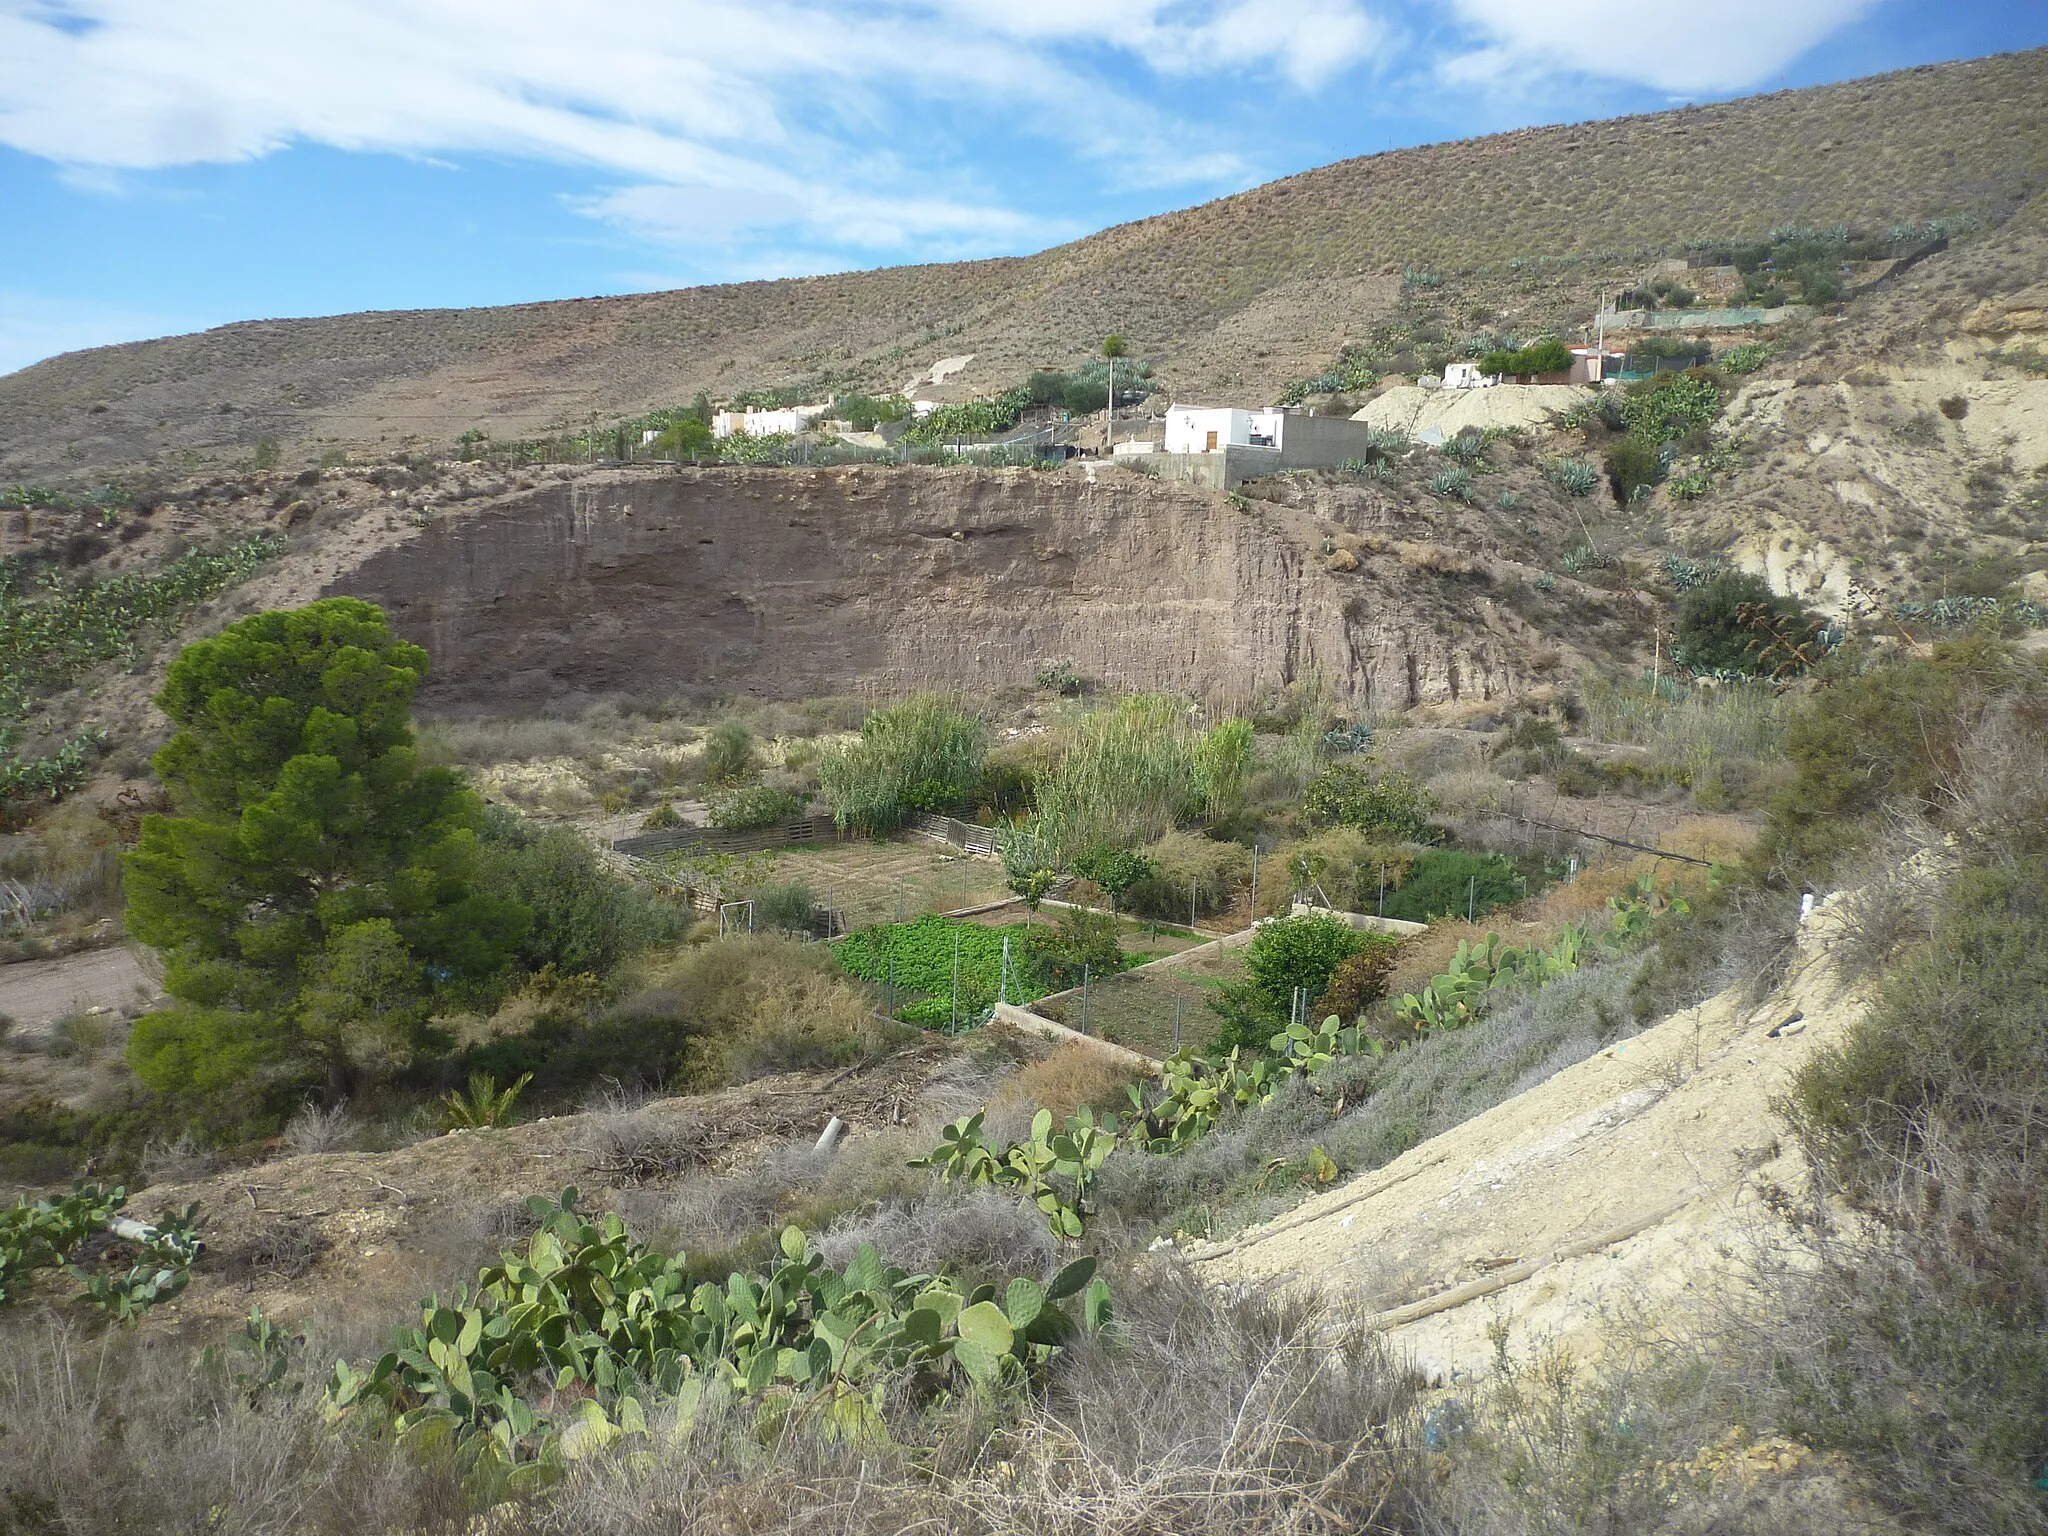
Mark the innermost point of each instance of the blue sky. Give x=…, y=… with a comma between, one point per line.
x=167, y=165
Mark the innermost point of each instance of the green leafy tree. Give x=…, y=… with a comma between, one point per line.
x=1369, y=797
x=315, y=898
x=1114, y=870
x=1547, y=356
x=1299, y=952
x=1717, y=629
x=687, y=438
x=1291, y=952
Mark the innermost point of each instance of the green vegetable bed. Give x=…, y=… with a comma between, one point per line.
x=922, y=953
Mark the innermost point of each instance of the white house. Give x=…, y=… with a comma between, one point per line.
x=766, y=423
x=1191, y=429
x=1467, y=376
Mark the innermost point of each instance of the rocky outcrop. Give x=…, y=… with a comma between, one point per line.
x=791, y=583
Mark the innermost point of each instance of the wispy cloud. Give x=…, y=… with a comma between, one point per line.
x=1671, y=48
x=722, y=117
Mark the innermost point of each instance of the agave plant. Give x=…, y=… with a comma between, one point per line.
x=1455, y=483
x=1575, y=477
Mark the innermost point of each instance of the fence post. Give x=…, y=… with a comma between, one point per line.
x=1383, y=889
x=956, y=981
x=1471, y=897
x=1084, y=997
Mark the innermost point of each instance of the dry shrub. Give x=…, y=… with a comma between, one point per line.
x=975, y=1230
x=1071, y=1076
x=1436, y=559
x=314, y=1129
x=762, y=1004
x=1208, y=1414
x=1468, y=792
x=120, y=1433
x=1357, y=984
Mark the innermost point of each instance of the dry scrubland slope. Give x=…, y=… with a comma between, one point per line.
x=1908, y=439
x=1242, y=293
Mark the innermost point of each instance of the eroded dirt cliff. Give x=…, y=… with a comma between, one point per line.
x=804, y=582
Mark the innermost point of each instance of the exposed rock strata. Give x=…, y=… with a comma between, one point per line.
x=792, y=583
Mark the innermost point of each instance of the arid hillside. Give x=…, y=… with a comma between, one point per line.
x=1521, y=230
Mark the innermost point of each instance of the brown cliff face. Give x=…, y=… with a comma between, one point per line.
x=792, y=583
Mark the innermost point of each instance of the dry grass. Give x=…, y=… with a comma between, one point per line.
x=1070, y=1077
x=119, y=1433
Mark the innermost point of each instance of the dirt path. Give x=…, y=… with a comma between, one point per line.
x=1627, y=1179
x=37, y=993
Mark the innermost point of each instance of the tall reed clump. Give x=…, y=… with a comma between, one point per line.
x=1135, y=771
x=1690, y=724
x=921, y=755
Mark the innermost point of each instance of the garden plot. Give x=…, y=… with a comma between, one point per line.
x=1138, y=1009
x=869, y=883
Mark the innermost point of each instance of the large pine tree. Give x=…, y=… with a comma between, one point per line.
x=314, y=897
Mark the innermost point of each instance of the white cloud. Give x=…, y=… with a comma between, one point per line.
x=1682, y=50
x=720, y=117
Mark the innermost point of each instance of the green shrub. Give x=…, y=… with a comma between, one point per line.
x=1446, y=882
x=1083, y=396
x=1369, y=797
x=1818, y=284
x=585, y=919
x=1929, y=1116
x=1879, y=731
x=729, y=754
x=790, y=907
x=750, y=807
x=1633, y=467
x=920, y=755
x=1080, y=944
x=1712, y=634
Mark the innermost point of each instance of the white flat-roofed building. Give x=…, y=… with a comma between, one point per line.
x=1199, y=429
x=754, y=423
